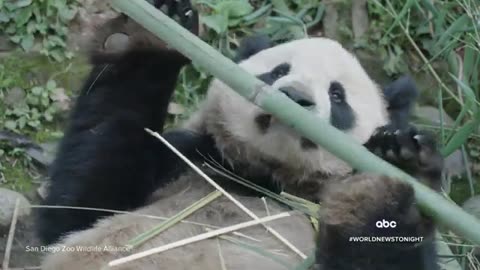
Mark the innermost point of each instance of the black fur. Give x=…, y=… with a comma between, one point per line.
x=402, y=144
x=106, y=159
x=413, y=151
x=400, y=95
x=251, y=46
x=351, y=208
x=341, y=114
x=276, y=73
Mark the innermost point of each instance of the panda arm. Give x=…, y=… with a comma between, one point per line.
x=106, y=159
x=400, y=95
x=400, y=143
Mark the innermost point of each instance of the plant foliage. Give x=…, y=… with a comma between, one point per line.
x=38, y=23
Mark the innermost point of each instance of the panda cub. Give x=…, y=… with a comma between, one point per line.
x=106, y=160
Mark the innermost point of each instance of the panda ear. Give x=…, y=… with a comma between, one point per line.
x=400, y=96
x=251, y=46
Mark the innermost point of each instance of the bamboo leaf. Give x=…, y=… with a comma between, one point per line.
x=402, y=14
x=235, y=8
x=460, y=137
x=467, y=91
x=216, y=22
x=429, y=5
x=142, y=238
x=470, y=57
x=455, y=27
x=258, y=13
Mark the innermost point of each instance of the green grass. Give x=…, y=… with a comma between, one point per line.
x=16, y=177
x=14, y=169
x=27, y=71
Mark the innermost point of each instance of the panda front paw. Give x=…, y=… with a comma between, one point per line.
x=181, y=11
x=122, y=34
x=411, y=150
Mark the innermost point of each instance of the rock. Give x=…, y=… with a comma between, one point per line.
x=41, y=154
x=8, y=199
x=15, y=140
x=432, y=114
x=359, y=18
x=61, y=99
x=454, y=164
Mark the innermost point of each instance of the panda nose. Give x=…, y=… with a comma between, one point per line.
x=299, y=97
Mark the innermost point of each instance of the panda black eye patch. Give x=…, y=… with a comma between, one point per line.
x=336, y=92
x=275, y=74
x=341, y=114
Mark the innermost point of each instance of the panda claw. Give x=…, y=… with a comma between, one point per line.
x=409, y=149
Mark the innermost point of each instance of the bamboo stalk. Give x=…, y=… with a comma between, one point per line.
x=226, y=194
x=11, y=235
x=144, y=237
x=196, y=238
x=310, y=126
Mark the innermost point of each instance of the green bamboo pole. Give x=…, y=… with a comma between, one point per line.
x=313, y=128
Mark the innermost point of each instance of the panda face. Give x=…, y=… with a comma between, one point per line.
x=318, y=74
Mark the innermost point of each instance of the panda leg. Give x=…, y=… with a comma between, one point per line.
x=106, y=159
x=358, y=211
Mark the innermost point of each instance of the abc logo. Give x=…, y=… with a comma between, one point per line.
x=385, y=224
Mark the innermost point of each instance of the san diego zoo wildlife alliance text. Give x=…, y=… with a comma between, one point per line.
x=55, y=249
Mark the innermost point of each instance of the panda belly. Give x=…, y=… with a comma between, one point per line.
x=236, y=252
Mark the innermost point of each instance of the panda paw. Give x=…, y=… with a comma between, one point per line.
x=122, y=34
x=411, y=150
x=181, y=11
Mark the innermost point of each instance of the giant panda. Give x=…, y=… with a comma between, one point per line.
x=106, y=160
